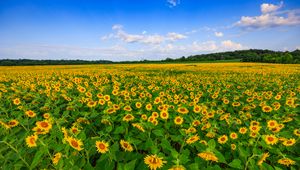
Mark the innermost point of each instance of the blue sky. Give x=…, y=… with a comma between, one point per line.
x=144, y=29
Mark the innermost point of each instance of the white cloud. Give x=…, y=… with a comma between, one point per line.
x=173, y=36
x=270, y=17
x=142, y=38
x=173, y=3
x=266, y=8
x=297, y=47
x=230, y=45
x=204, y=46
x=117, y=27
x=219, y=34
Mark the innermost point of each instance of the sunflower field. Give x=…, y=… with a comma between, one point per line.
x=150, y=116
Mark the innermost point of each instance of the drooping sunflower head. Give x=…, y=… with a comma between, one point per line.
x=126, y=146
x=75, y=143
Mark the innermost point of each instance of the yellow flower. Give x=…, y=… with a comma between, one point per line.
x=197, y=109
x=255, y=128
x=75, y=143
x=208, y=156
x=128, y=117
x=233, y=146
x=267, y=109
x=164, y=115
x=56, y=158
x=31, y=141
x=289, y=142
x=16, y=101
x=243, y=130
x=223, y=139
x=177, y=167
x=271, y=139
x=263, y=158
x=44, y=125
x=154, y=161
x=272, y=124
x=183, y=110
x=192, y=139
x=178, y=120
x=126, y=146
x=286, y=161
x=13, y=123
x=91, y=104
x=102, y=146
x=138, y=126
x=30, y=113
x=233, y=135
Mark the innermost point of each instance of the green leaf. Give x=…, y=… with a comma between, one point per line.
x=193, y=166
x=130, y=165
x=37, y=158
x=236, y=163
x=211, y=144
x=119, y=130
x=158, y=132
x=220, y=156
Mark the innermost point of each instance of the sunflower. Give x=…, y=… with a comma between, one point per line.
x=46, y=115
x=196, y=123
x=164, y=115
x=30, y=113
x=17, y=101
x=177, y=167
x=138, y=126
x=271, y=139
x=233, y=147
x=192, y=139
x=138, y=105
x=31, y=141
x=126, y=146
x=91, y=104
x=183, y=110
x=128, y=117
x=154, y=162
x=208, y=156
x=197, y=109
x=178, y=120
x=44, y=125
x=243, y=130
x=263, y=158
x=56, y=158
x=286, y=161
x=233, y=135
x=236, y=104
x=203, y=142
x=102, y=146
x=13, y=123
x=289, y=142
x=222, y=139
x=144, y=117
x=272, y=124
x=149, y=107
x=297, y=132
x=255, y=128
x=75, y=143
x=267, y=109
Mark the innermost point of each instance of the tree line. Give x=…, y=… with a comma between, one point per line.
x=252, y=55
